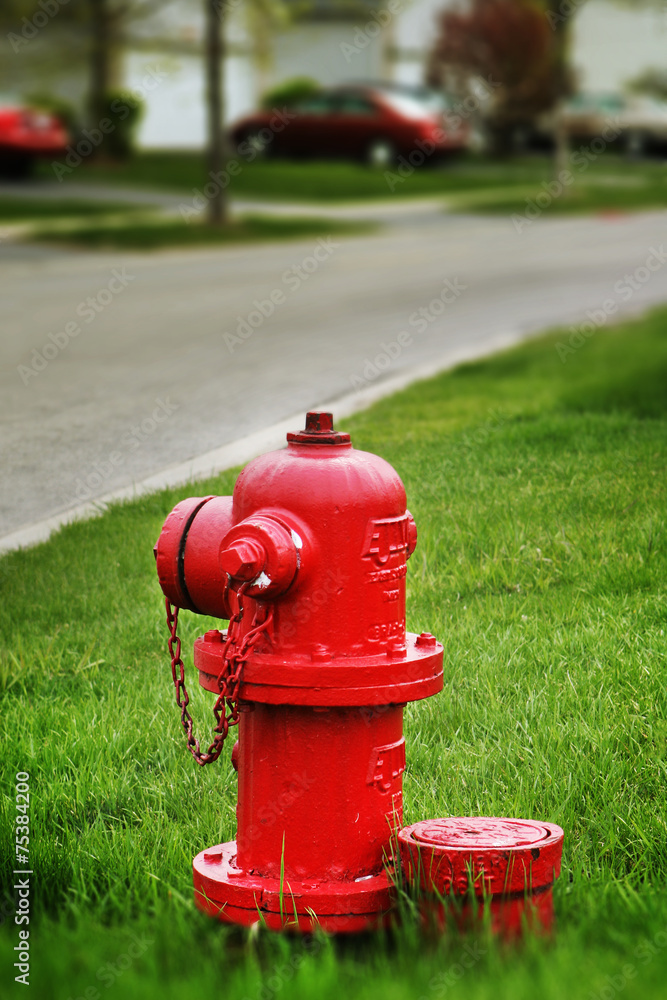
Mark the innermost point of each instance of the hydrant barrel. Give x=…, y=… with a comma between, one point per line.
x=335, y=774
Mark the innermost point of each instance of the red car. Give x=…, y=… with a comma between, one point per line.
x=374, y=123
x=25, y=135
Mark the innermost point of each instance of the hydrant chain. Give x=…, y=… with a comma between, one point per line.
x=235, y=654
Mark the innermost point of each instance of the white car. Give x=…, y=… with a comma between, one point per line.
x=641, y=121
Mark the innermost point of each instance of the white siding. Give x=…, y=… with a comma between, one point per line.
x=611, y=45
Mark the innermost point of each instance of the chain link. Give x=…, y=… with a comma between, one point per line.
x=235, y=653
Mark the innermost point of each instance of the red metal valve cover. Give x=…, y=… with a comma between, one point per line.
x=488, y=855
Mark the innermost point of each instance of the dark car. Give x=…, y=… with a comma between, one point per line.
x=25, y=135
x=373, y=123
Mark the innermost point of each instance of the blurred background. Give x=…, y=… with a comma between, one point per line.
x=351, y=193
x=74, y=58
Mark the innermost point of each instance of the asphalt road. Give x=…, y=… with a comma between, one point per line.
x=116, y=366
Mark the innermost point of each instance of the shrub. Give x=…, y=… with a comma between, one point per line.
x=290, y=92
x=64, y=110
x=125, y=110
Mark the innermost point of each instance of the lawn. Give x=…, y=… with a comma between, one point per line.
x=28, y=209
x=602, y=182
x=585, y=194
x=163, y=232
x=302, y=181
x=539, y=490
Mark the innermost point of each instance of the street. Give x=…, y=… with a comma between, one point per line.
x=116, y=366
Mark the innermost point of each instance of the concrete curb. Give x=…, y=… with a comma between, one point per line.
x=267, y=439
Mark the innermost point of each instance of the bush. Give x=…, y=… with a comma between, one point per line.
x=125, y=110
x=289, y=92
x=64, y=110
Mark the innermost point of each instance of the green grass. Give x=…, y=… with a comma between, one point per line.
x=158, y=233
x=539, y=490
x=304, y=181
x=605, y=183
x=24, y=209
x=585, y=195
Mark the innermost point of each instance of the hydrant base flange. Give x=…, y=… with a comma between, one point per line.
x=235, y=896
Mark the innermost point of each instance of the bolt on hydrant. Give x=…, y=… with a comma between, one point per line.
x=307, y=561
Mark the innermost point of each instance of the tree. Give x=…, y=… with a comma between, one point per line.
x=261, y=16
x=652, y=82
x=533, y=65
x=510, y=42
x=104, y=26
x=559, y=14
x=216, y=145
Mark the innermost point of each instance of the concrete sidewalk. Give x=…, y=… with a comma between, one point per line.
x=378, y=210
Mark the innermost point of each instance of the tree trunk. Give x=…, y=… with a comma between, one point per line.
x=105, y=55
x=216, y=152
x=561, y=144
x=561, y=27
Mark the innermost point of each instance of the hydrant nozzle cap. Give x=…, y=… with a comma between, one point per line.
x=319, y=429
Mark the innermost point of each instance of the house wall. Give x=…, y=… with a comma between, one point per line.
x=611, y=45
x=175, y=109
x=175, y=112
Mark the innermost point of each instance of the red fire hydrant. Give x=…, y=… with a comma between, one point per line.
x=308, y=562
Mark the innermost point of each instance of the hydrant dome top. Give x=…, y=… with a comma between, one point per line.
x=323, y=479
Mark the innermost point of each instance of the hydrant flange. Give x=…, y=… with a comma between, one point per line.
x=409, y=674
